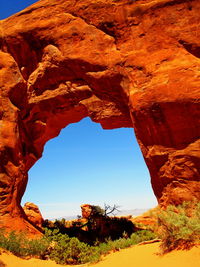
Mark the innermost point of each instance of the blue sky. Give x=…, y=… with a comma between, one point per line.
x=86, y=164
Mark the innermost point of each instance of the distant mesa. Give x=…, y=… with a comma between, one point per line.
x=123, y=64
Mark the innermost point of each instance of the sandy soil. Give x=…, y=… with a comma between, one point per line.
x=137, y=256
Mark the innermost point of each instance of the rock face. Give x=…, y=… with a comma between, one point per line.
x=33, y=214
x=86, y=210
x=101, y=227
x=124, y=64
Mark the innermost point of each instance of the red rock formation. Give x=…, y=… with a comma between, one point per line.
x=86, y=210
x=33, y=214
x=100, y=226
x=124, y=64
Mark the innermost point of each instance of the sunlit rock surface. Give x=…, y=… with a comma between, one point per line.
x=124, y=64
x=33, y=214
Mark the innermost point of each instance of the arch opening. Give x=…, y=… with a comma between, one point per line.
x=51, y=79
x=86, y=164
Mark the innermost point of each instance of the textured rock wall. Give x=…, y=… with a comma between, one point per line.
x=33, y=215
x=124, y=64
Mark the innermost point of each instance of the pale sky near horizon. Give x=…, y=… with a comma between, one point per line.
x=86, y=164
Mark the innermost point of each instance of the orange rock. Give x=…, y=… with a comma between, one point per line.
x=86, y=210
x=33, y=214
x=144, y=221
x=124, y=64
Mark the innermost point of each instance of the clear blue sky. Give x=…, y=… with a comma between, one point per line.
x=86, y=164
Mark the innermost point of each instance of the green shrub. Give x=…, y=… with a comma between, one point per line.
x=120, y=243
x=22, y=246
x=104, y=248
x=143, y=235
x=66, y=250
x=63, y=249
x=179, y=227
x=136, y=238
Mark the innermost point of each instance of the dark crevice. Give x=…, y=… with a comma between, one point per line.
x=191, y=48
x=18, y=95
x=108, y=27
x=67, y=70
x=27, y=51
x=171, y=3
x=142, y=35
x=1, y=43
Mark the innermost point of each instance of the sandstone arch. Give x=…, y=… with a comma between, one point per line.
x=124, y=64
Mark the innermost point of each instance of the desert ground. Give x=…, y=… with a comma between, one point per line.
x=140, y=256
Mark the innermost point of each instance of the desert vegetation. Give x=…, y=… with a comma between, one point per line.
x=65, y=250
x=20, y=245
x=95, y=225
x=72, y=251
x=101, y=233
x=178, y=227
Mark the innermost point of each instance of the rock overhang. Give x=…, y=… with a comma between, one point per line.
x=124, y=64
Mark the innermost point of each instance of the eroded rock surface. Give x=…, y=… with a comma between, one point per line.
x=124, y=64
x=33, y=215
x=86, y=210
